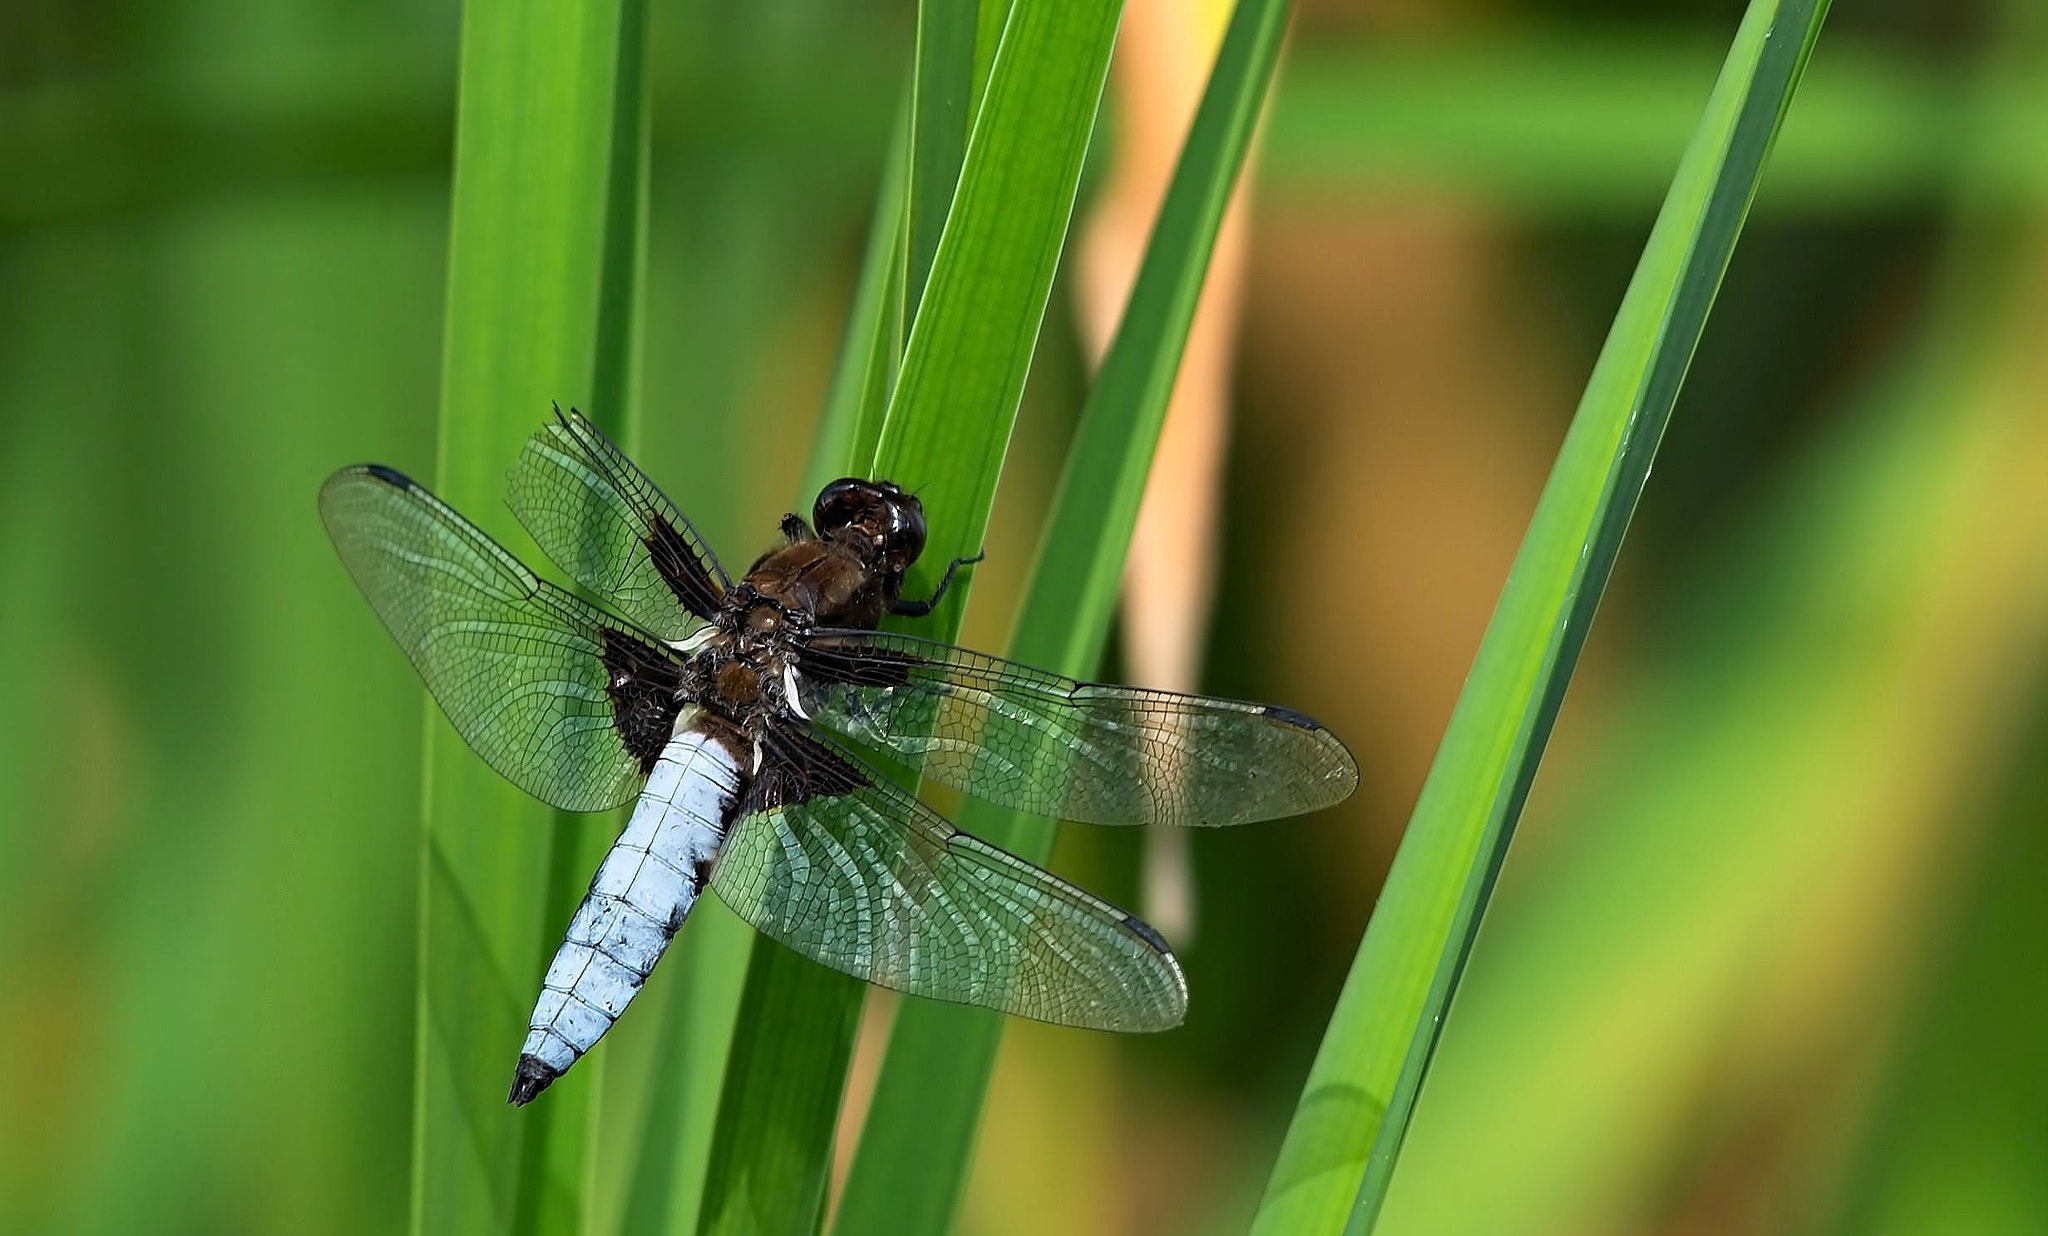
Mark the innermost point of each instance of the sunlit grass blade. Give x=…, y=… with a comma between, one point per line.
x=1876, y=595
x=673, y=1146
x=542, y=289
x=972, y=342
x=1339, y=1152
x=1819, y=727
x=863, y=376
x=911, y=1168
x=941, y=106
x=947, y=425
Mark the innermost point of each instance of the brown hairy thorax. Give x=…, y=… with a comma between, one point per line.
x=738, y=683
x=843, y=569
x=829, y=581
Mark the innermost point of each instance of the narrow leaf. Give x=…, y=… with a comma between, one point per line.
x=871, y=352
x=666, y=1187
x=941, y=104
x=1339, y=1153
x=542, y=295
x=948, y=423
x=911, y=1168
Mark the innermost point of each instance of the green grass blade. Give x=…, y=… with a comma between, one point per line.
x=673, y=1147
x=941, y=105
x=666, y=1188
x=988, y=31
x=871, y=351
x=968, y=354
x=1340, y=1149
x=911, y=1168
x=948, y=422
x=542, y=289
x=771, y=1152
x=621, y=287
x=1817, y=733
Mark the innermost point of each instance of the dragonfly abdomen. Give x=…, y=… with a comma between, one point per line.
x=641, y=894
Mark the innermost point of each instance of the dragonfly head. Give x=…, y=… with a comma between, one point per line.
x=883, y=520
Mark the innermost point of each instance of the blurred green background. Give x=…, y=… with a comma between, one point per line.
x=1766, y=958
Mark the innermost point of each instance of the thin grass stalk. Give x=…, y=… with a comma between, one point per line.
x=948, y=423
x=1334, y=1167
x=863, y=377
x=1170, y=578
x=666, y=1188
x=941, y=107
x=542, y=297
x=1727, y=158
x=911, y=1168
x=1856, y=648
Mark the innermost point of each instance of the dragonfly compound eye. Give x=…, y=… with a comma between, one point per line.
x=844, y=503
x=904, y=540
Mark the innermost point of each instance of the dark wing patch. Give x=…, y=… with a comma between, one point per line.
x=645, y=687
x=1145, y=931
x=1047, y=744
x=850, y=870
x=601, y=520
x=561, y=698
x=835, y=658
x=1299, y=720
x=390, y=476
x=803, y=769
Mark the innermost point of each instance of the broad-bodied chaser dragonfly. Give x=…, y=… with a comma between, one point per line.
x=732, y=711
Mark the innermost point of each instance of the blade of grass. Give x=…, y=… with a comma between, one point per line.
x=988, y=31
x=948, y=424
x=911, y=1168
x=941, y=104
x=1846, y=672
x=621, y=289
x=542, y=290
x=666, y=1188
x=1340, y=1149
x=1811, y=736
x=871, y=353
x=992, y=277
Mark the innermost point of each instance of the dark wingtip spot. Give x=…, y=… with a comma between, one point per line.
x=1299, y=719
x=533, y=1077
x=1144, y=931
x=390, y=476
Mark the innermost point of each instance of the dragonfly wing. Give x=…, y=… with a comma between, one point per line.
x=1020, y=737
x=845, y=867
x=565, y=701
x=601, y=520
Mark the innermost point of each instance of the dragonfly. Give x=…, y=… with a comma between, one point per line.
x=744, y=718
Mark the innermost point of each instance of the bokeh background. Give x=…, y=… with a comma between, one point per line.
x=1767, y=955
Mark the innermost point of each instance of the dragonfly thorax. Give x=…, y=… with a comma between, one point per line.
x=742, y=673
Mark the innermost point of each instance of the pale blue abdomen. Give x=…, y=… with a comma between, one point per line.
x=644, y=889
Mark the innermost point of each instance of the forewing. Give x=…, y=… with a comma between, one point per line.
x=850, y=870
x=565, y=701
x=601, y=520
x=1038, y=742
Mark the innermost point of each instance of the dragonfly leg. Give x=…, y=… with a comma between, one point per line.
x=919, y=609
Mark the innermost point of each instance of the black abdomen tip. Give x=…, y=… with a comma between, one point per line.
x=533, y=1076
